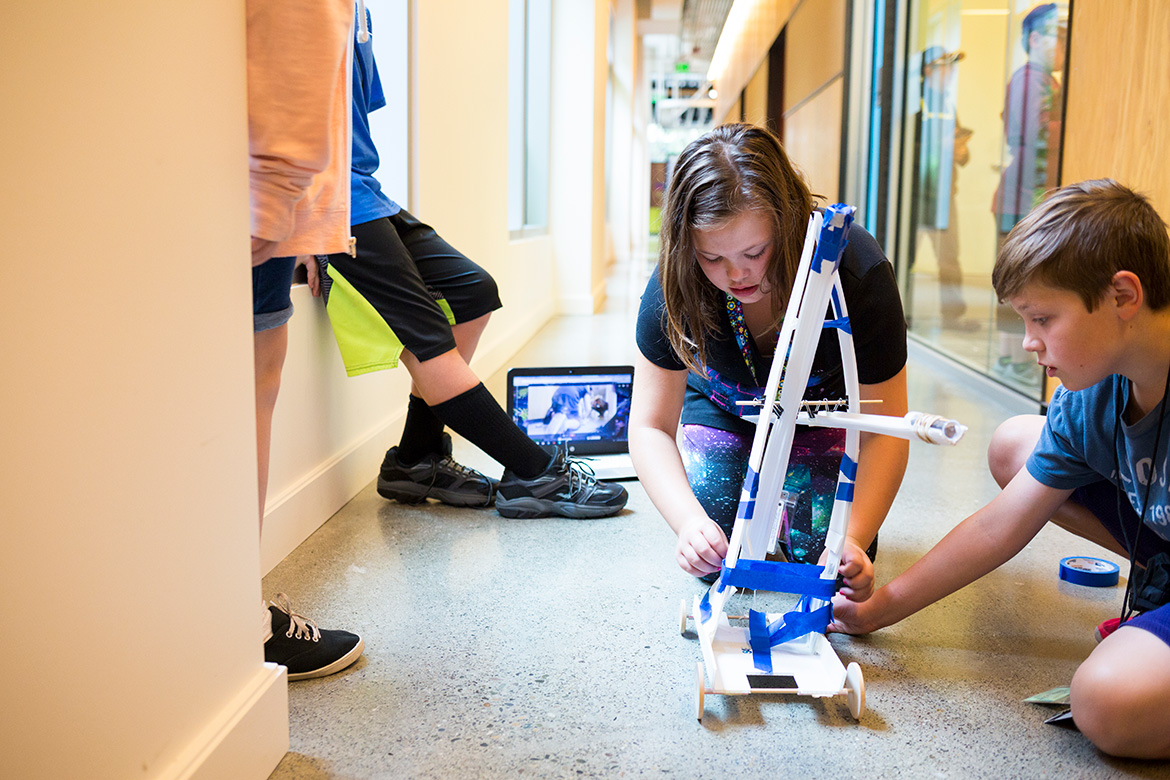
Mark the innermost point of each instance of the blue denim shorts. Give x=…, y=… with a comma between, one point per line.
x=271, y=282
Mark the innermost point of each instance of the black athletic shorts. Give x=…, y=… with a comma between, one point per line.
x=404, y=290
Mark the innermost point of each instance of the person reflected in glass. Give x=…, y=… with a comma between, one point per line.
x=1031, y=123
x=944, y=149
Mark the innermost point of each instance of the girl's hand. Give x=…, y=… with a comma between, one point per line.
x=701, y=547
x=857, y=570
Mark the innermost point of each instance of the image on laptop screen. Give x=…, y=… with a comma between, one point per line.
x=588, y=407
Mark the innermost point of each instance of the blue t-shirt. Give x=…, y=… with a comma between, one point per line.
x=367, y=202
x=1076, y=448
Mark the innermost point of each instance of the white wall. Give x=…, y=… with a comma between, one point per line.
x=624, y=46
x=576, y=192
x=131, y=599
x=129, y=570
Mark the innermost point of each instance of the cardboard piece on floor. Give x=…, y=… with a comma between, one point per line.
x=1057, y=696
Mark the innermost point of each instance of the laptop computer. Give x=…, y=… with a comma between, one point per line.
x=585, y=407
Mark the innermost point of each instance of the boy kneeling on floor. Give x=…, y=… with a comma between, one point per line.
x=1089, y=272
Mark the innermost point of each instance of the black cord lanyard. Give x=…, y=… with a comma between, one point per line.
x=1127, y=601
x=742, y=336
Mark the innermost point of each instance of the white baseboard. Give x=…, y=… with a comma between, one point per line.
x=583, y=304
x=247, y=740
x=293, y=515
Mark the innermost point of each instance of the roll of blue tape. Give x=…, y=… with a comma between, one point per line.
x=1094, y=572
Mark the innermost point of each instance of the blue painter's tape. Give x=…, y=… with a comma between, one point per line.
x=780, y=577
x=845, y=491
x=837, y=307
x=751, y=486
x=796, y=624
x=760, y=641
x=705, y=607
x=1094, y=572
x=834, y=236
x=849, y=468
x=841, y=324
x=751, y=482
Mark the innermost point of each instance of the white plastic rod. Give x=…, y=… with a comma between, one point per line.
x=929, y=428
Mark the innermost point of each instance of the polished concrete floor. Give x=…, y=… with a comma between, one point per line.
x=550, y=648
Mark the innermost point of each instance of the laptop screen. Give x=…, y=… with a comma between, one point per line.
x=588, y=407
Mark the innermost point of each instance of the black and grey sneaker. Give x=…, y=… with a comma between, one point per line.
x=566, y=488
x=435, y=476
x=305, y=650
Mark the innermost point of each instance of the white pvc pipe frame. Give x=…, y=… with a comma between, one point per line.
x=756, y=536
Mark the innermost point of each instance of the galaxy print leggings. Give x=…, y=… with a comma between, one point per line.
x=716, y=462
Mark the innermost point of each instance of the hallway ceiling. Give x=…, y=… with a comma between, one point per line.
x=702, y=21
x=684, y=31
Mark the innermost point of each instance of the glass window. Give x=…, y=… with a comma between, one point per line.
x=983, y=110
x=529, y=99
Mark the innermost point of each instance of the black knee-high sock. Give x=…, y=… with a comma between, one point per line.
x=477, y=417
x=422, y=434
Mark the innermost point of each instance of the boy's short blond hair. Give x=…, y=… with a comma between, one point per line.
x=1082, y=235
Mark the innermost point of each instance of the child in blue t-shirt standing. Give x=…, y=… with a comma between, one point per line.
x=1089, y=272
x=406, y=294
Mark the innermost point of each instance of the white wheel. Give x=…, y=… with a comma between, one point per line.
x=682, y=616
x=700, y=682
x=855, y=690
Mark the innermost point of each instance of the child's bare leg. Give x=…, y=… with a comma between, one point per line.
x=270, y=347
x=1119, y=695
x=440, y=382
x=467, y=335
x=1011, y=444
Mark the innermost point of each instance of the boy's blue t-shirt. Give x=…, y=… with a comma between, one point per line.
x=367, y=202
x=1076, y=448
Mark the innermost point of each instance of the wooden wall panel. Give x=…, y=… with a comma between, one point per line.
x=815, y=49
x=751, y=28
x=814, y=84
x=755, y=98
x=812, y=137
x=1119, y=96
x=734, y=112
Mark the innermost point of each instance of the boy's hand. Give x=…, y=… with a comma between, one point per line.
x=853, y=617
x=702, y=546
x=857, y=570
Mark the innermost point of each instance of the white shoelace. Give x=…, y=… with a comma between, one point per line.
x=299, y=626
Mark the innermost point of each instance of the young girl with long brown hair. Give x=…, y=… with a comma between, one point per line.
x=733, y=225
